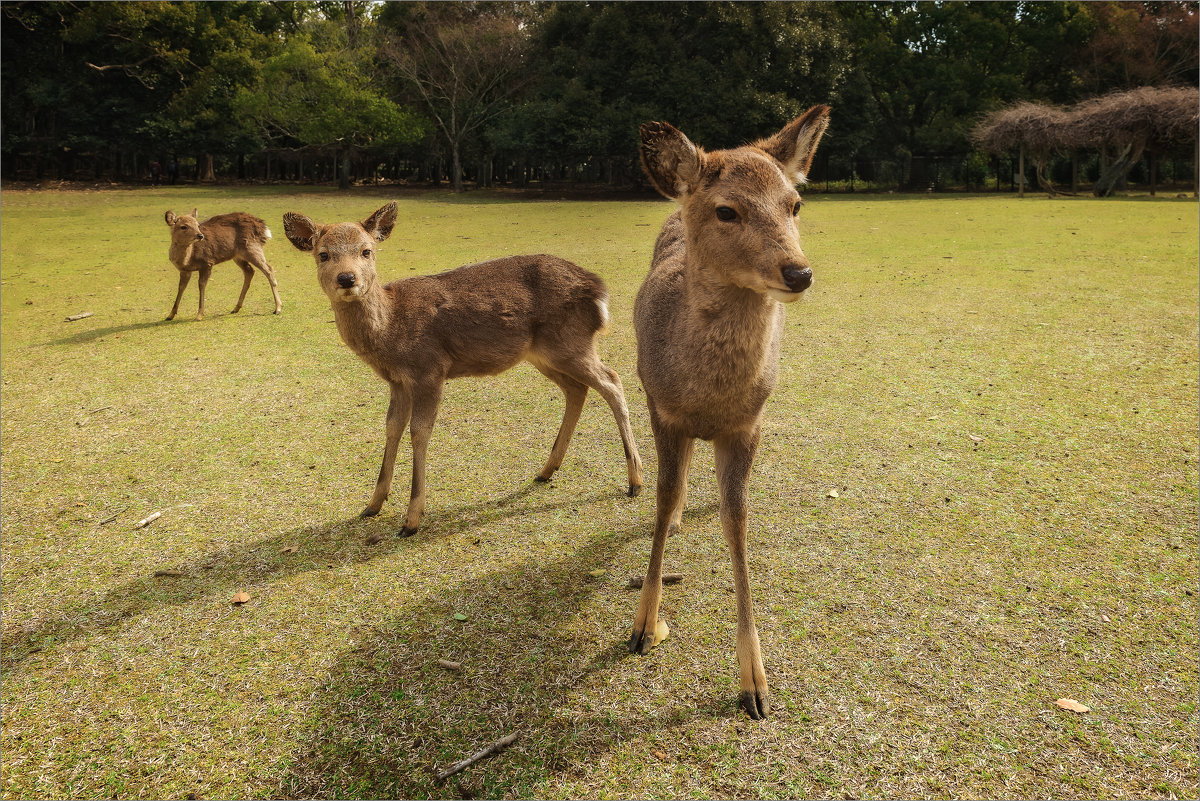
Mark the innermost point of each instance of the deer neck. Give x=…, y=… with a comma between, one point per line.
x=732, y=324
x=365, y=323
x=182, y=253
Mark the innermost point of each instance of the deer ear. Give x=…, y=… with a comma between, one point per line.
x=672, y=163
x=170, y=217
x=794, y=146
x=194, y=214
x=379, y=224
x=300, y=231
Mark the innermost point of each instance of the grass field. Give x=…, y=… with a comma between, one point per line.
x=1002, y=392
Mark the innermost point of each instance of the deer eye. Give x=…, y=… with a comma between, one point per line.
x=796, y=208
x=323, y=255
x=726, y=214
x=367, y=253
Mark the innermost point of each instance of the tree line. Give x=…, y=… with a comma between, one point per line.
x=549, y=92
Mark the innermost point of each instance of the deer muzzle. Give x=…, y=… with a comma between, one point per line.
x=797, y=278
x=346, y=280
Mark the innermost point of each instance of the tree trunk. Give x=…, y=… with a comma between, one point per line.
x=1153, y=173
x=1074, y=172
x=1021, y=174
x=1118, y=169
x=344, y=172
x=209, y=174
x=456, y=168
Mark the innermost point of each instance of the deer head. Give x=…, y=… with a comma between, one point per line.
x=738, y=206
x=345, y=252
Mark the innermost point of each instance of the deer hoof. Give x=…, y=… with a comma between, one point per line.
x=755, y=704
x=641, y=642
x=635, y=491
x=542, y=479
x=368, y=512
x=405, y=531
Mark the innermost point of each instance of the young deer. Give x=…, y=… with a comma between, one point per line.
x=199, y=246
x=480, y=319
x=709, y=319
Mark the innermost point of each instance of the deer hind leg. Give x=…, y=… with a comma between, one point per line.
x=184, y=278
x=260, y=261
x=576, y=394
x=247, y=275
x=424, y=413
x=397, y=420
x=674, y=449
x=205, y=273
x=734, y=457
x=589, y=370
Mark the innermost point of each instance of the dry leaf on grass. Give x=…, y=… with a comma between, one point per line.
x=290, y=549
x=240, y=598
x=1073, y=705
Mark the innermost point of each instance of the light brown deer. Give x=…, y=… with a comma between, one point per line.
x=709, y=319
x=197, y=247
x=480, y=319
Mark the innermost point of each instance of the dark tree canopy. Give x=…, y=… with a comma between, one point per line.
x=556, y=88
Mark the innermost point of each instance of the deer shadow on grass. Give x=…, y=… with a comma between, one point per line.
x=93, y=334
x=222, y=572
x=533, y=649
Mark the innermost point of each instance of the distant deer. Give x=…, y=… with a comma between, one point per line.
x=480, y=319
x=196, y=247
x=709, y=319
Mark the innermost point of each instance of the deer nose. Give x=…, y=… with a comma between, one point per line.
x=199, y=236
x=345, y=280
x=797, y=278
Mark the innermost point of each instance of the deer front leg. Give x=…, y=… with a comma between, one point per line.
x=426, y=400
x=205, y=272
x=184, y=278
x=397, y=419
x=734, y=457
x=673, y=451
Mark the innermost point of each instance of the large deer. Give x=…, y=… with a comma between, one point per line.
x=197, y=247
x=480, y=319
x=709, y=319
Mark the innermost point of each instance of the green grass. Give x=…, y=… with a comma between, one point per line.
x=916, y=630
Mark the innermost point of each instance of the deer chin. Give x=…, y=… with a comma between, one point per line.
x=783, y=295
x=352, y=294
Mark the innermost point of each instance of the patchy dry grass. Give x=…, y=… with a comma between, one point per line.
x=917, y=629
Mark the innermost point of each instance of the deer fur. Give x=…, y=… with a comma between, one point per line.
x=480, y=319
x=197, y=247
x=709, y=320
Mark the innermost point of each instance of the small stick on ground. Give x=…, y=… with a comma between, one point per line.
x=635, y=582
x=478, y=755
x=111, y=517
x=145, y=521
x=448, y=665
x=75, y=317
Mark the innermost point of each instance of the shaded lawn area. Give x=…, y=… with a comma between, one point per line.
x=1003, y=394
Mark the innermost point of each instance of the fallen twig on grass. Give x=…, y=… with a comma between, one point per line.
x=635, y=582
x=448, y=665
x=111, y=517
x=478, y=755
x=145, y=521
x=75, y=317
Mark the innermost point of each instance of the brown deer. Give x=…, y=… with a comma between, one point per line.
x=480, y=319
x=197, y=247
x=709, y=319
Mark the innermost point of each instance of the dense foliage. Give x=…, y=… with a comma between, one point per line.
x=310, y=90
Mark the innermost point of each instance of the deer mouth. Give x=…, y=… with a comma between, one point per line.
x=784, y=295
